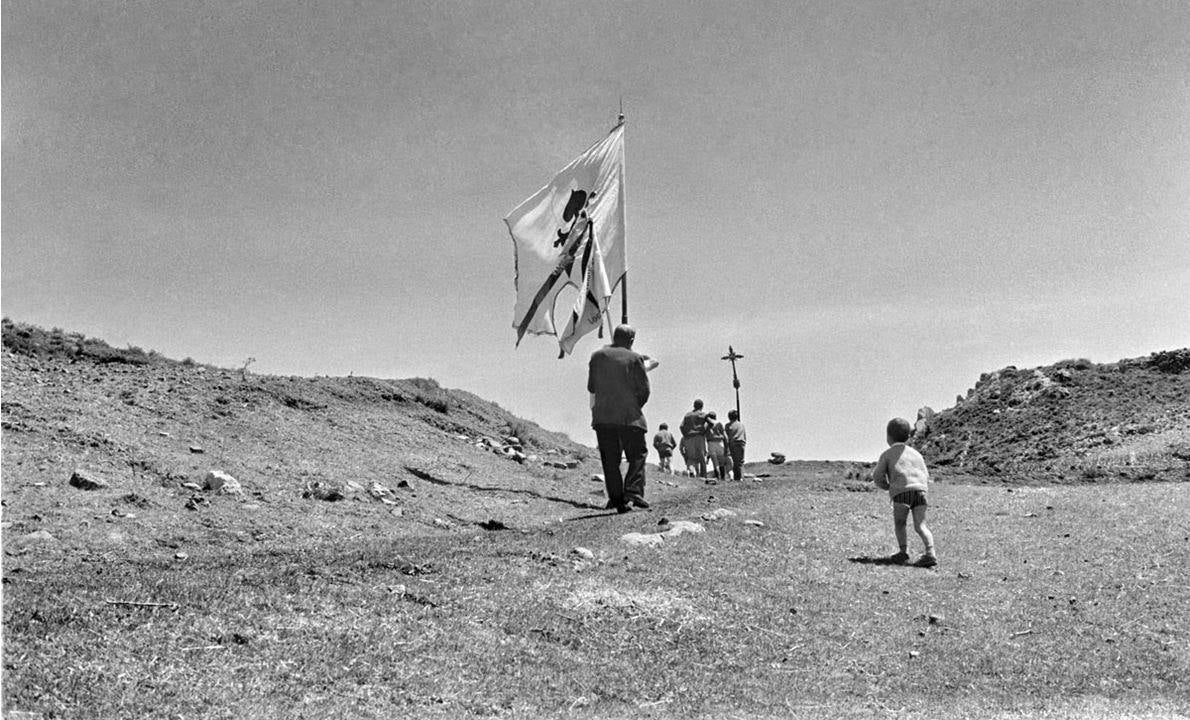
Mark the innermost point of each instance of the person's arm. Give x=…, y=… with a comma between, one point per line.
x=591, y=375
x=640, y=381
x=880, y=473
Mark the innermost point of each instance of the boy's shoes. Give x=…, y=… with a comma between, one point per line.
x=621, y=507
x=926, y=561
x=898, y=559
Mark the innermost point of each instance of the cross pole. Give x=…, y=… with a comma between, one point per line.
x=732, y=355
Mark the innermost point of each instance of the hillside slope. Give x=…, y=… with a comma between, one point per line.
x=1073, y=421
x=149, y=426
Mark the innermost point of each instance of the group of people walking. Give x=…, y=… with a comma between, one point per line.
x=705, y=441
x=618, y=381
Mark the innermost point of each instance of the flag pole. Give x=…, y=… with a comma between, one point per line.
x=624, y=278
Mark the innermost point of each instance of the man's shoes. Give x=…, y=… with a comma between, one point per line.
x=926, y=561
x=623, y=508
x=899, y=559
x=639, y=502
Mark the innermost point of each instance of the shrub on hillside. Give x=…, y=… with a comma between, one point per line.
x=37, y=342
x=1171, y=361
x=431, y=394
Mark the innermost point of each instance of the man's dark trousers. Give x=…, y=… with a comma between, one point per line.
x=737, y=460
x=617, y=440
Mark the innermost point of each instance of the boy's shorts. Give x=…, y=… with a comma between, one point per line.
x=665, y=452
x=912, y=498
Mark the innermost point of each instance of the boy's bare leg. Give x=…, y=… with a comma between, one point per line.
x=919, y=524
x=900, y=515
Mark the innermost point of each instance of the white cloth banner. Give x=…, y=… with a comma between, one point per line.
x=571, y=232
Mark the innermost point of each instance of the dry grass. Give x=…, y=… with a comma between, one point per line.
x=1051, y=602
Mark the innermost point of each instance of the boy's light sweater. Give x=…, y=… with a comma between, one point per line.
x=899, y=469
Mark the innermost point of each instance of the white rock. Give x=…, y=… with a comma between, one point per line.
x=222, y=483
x=718, y=514
x=756, y=523
x=597, y=477
x=643, y=539
x=192, y=486
x=37, y=536
x=583, y=553
x=682, y=526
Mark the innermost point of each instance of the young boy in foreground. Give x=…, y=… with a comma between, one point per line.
x=902, y=471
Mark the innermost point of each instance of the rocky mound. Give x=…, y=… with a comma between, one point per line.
x=1073, y=421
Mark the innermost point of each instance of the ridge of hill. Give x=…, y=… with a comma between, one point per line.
x=1072, y=421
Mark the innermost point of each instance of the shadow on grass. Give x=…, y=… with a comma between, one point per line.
x=878, y=560
x=610, y=513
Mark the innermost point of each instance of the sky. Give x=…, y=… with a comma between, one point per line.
x=874, y=203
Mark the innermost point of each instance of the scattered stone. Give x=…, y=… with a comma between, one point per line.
x=319, y=491
x=755, y=523
x=404, y=484
x=192, y=486
x=351, y=489
x=250, y=506
x=597, y=477
x=913, y=654
x=777, y=458
x=220, y=482
x=180, y=555
x=164, y=434
x=197, y=449
x=117, y=512
x=493, y=524
x=197, y=501
x=383, y=494
x=445, y=524
x=137, y=500
x=936, y=619
x=87, y=480
x=584, y=553
x=718, y=514
x=571, y=464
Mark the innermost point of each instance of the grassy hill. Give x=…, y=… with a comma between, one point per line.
x=1073, y=421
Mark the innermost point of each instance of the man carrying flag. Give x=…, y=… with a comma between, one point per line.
x=571, y=232
x=619, y=387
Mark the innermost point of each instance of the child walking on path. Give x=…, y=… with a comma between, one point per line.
x=902, y=471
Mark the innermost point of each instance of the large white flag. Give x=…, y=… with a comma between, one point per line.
x=571, y=232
